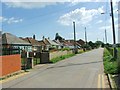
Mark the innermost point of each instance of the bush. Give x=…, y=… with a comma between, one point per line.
x=110, y=50
x=63, y=49
x=110, y=67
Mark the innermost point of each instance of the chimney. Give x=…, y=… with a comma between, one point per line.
x=43, y=38
x=33, y=36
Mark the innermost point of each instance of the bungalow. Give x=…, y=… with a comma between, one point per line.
x=71, y=43
x=46, y=44
x=50, y=43
x=60, y=45
x=12, y=41
x=81, y=42
x=36, y=45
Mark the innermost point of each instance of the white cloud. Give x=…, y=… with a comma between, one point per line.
x=2, y=19
x=100, y=21
x=10, y=20
x=75, y=2
x=13, y=20
x=55, y=0
x=29, y=5
x=109, y=27
x=81, y=16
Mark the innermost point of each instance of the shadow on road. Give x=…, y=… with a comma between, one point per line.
x=70, y=64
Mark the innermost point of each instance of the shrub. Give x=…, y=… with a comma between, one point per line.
x=63, y=49
x=110, y=67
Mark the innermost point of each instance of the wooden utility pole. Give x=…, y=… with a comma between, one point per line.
x=75, y=48
x=113, y=27
x=105, y=36
x=85, y=36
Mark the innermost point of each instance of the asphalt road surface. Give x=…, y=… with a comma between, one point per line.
x=80, y=71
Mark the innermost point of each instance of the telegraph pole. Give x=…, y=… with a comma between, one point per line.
x=85, y=36
x=75, y=48
x=113, y=27
x=105, y=36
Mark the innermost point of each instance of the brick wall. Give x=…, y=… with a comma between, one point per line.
x=10, y=64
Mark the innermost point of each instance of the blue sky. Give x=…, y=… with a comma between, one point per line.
x=24, y=19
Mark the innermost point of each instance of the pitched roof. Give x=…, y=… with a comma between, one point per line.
x=69, y=43
x=41, y=43
x=32, y=41
x=8, y=38
x=51, y=42
x=81, y=42
x=58, y=42
x=66, y=43
x=72, y=41
x=45, y=42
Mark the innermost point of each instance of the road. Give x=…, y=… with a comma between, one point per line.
x=80, y=71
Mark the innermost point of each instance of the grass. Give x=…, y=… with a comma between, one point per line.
x=110, y=66
x=54, y=60
x=118, y=51
x=118, y=59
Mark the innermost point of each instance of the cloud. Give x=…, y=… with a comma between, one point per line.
x=29, y=5
x=100, y=21
x=75, y=2
x=81, y=16
x=13, y=20
x=2, y=19
x=109, y=27
x=10, y=20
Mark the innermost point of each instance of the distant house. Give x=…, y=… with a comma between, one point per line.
x=43, y=45
x=51, y=43
x=36, y=45
x=71, y=43
x=12, y=41
x=60, y=45
x=81, y=42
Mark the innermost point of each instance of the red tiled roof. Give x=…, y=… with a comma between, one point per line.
x=32, y=41
x=81, y=42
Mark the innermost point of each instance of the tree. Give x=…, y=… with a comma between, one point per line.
x=92, y=45
x=98, y=43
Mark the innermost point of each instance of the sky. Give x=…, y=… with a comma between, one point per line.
x=24, y=19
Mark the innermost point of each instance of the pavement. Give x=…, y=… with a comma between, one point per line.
x=81, y=71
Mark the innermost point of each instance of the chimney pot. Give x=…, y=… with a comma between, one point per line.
x=33, y=36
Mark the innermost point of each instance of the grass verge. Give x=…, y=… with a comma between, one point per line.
x=110, y=66
x=54, y=60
